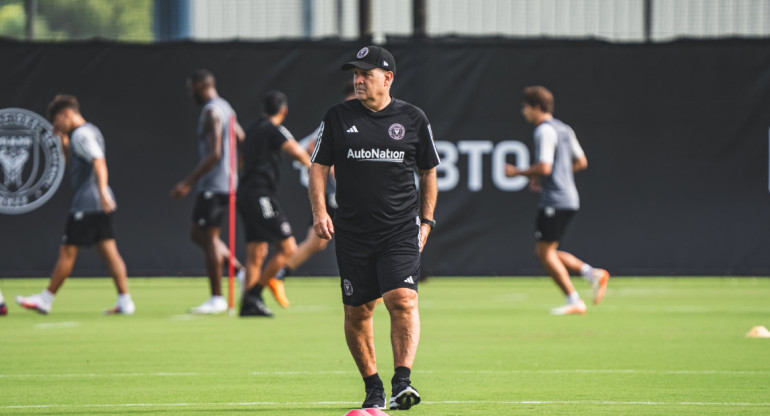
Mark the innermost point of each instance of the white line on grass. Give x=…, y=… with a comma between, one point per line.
x=448, y=402
x=57, y=325
x=470, y=372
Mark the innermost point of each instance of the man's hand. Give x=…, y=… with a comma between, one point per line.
x=108, y=204
x=180, y=190
x=424, y=231
x=323, y=226
x=511, y=170
x=534, y=184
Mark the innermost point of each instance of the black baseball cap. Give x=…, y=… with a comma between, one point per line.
x=371, y=57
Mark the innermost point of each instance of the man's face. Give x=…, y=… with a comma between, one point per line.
x=62, y=121
x=528, y=112
x=194, y=91
x=371, y=83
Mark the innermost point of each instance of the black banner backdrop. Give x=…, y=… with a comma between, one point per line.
x=676, y=137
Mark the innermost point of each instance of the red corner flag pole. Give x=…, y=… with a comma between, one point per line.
x=231, y=220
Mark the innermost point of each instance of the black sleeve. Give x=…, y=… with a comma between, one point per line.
x=324, y=146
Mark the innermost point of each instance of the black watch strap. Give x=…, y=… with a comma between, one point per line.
x=431, y=223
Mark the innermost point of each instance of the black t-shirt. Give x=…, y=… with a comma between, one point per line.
x=375, y=157
x=262, y=156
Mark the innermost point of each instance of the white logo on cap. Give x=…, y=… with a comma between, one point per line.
x=363, y=52
x=385, y=63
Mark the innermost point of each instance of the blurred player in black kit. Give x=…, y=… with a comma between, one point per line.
x=263, y=219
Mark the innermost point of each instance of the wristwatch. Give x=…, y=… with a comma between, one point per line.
x=431, y=223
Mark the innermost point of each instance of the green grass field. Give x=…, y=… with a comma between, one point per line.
x=489, y=347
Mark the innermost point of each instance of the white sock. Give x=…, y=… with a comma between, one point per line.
x=124, y=299
x=588, y=272
x=47, y=296
x=2, y=300
x=573, y=298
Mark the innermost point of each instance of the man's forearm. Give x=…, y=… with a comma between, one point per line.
x=428, y=193
x=317, y=187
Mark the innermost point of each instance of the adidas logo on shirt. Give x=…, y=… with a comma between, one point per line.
x=353, y=129
x=409, y=280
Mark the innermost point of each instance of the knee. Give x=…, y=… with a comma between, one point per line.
x=358, y=313
x=400, y=300
x=289, y=247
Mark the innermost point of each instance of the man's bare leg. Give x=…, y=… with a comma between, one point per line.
x=67, y=255
x=359, y=334
x=547, y=254
x=549, y=258
x=109, y=253
x=43, y=301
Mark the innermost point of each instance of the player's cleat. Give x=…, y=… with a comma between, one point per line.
x=34, y=302
x=252, y=305
x=578, y=307
x=213, y=306
x=404, y=396
x=3, y=309
x=276, y=286
x=375, y=398
x=121, y=310
x=599, y=284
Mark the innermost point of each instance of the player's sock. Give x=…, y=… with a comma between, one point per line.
x=126, y=303
x=283, y=273
x=373, y=381
x=2, y=300
x=573, y=298
x=588, y=272
x=47, y=296
x=401, y=373
x=256, y=290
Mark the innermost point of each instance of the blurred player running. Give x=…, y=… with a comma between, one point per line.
x=263, y=219
x=312, y=243
x=557, y=156
x=91, y=210
x=212, y=174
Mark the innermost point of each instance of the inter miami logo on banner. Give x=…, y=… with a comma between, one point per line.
x=31, y=161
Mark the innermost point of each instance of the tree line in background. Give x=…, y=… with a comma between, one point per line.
x=63, y=20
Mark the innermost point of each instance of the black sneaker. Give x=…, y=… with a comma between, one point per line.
x=254, y=306
x=375, y=398
x=404, y=396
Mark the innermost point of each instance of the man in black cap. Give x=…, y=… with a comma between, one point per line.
x=376, y=144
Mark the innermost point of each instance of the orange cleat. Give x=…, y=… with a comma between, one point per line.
x=571, y=308
x=599, y=284
x=276, y=286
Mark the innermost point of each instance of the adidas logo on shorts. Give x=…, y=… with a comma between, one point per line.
x=409, y=280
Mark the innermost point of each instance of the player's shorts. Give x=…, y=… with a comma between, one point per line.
x=262, y=217
x=552, y=223
x=371, y=265
x=210, y=209
x=87, y=229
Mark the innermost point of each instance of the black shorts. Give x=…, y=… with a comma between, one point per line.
x=551, y=223
x=87, y=229
x=210, y=209
x=371, y=265
x=263, y=219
